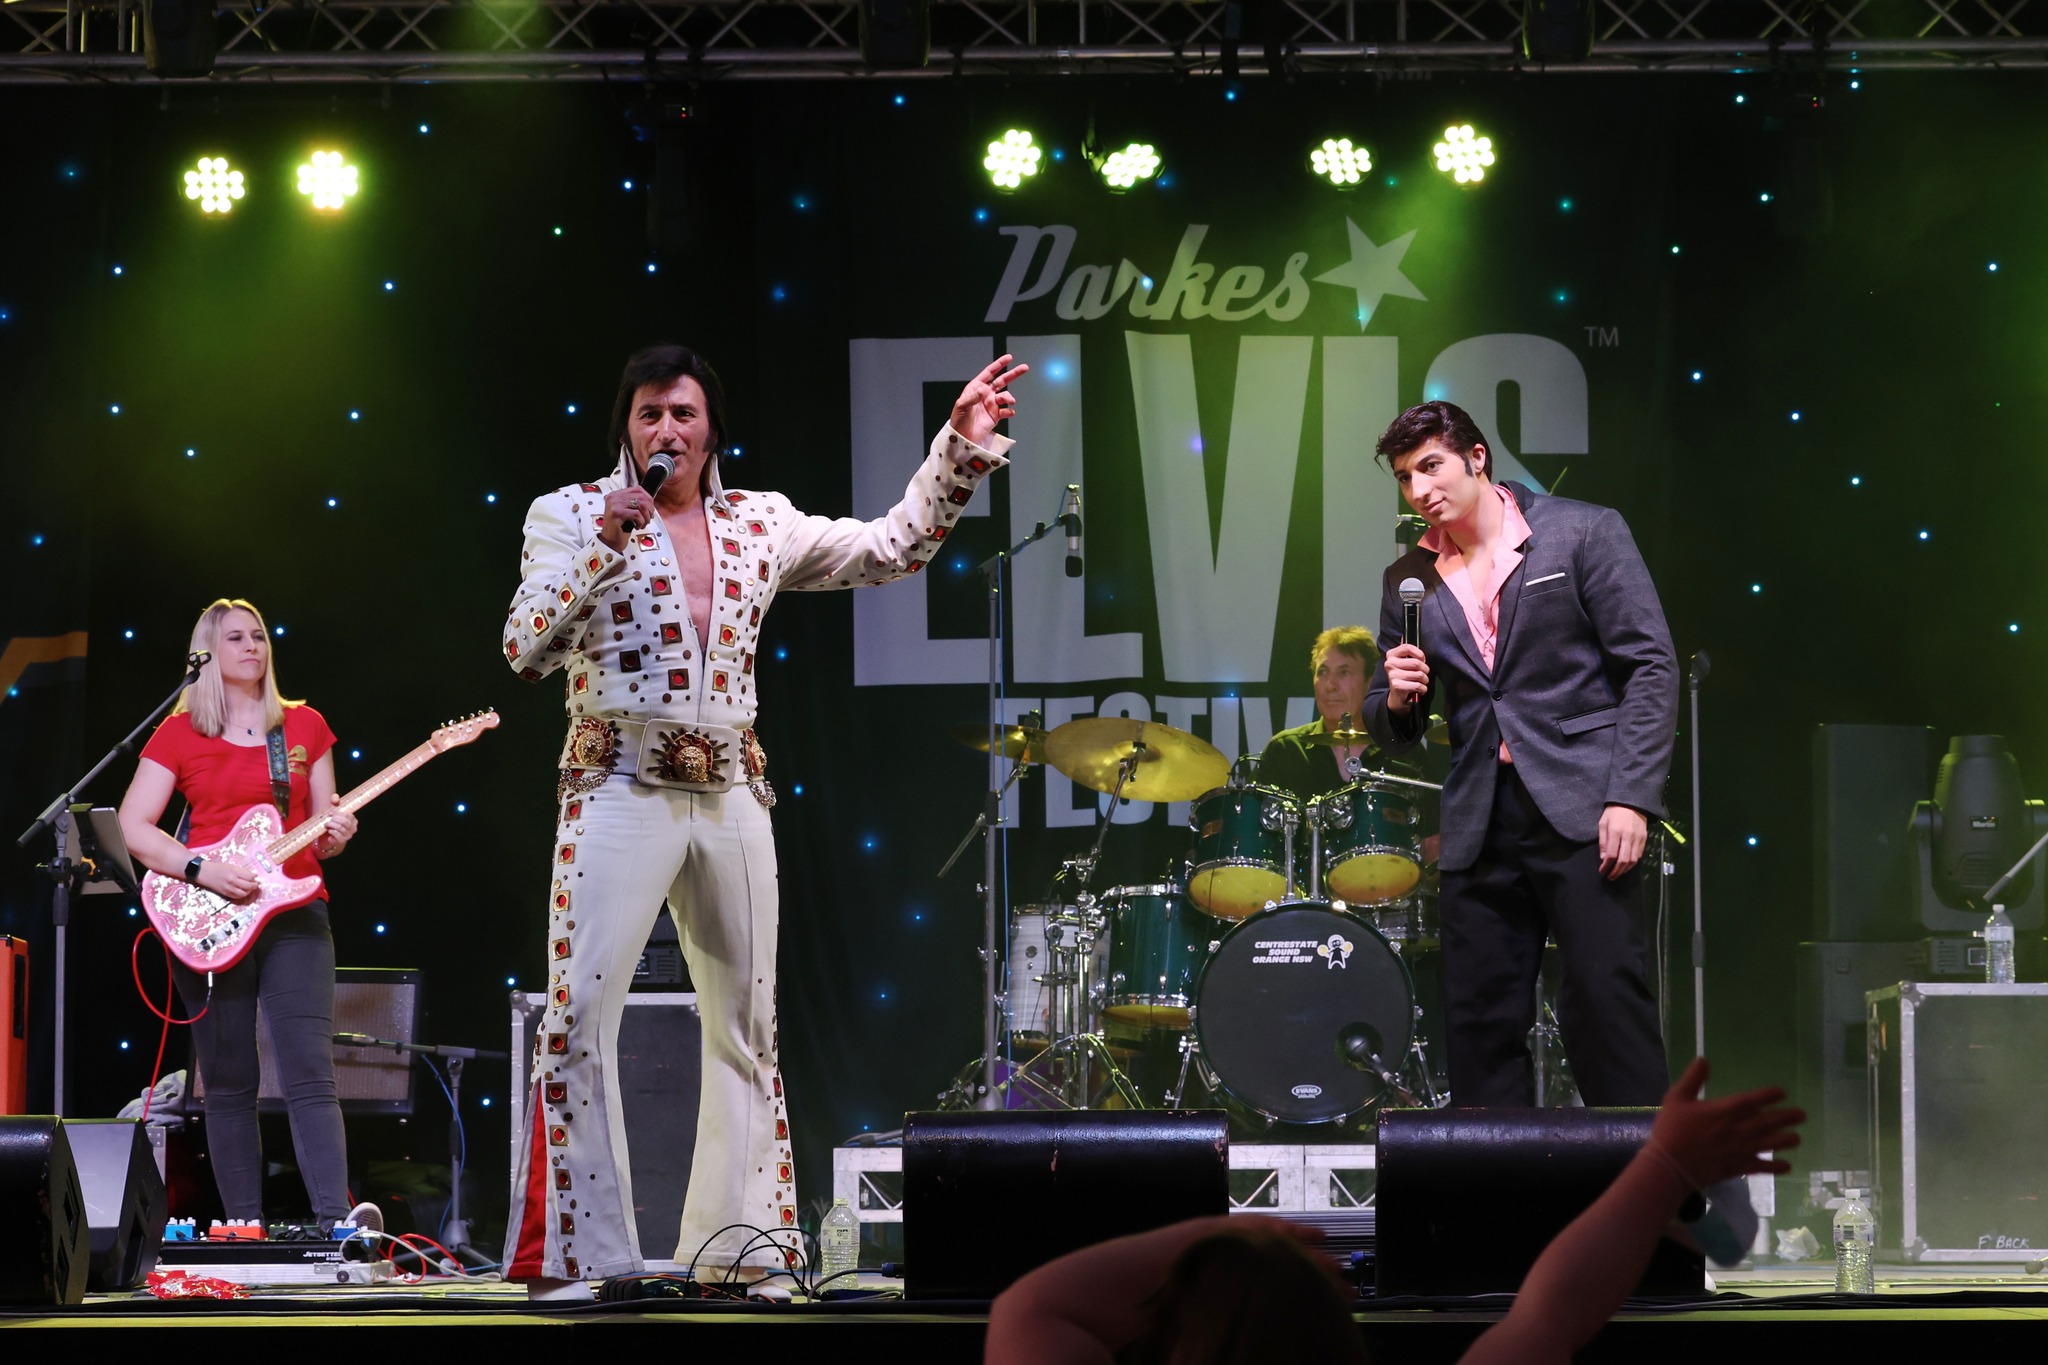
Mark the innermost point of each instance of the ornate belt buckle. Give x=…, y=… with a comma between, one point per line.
x=686, y=756
x=593, y=751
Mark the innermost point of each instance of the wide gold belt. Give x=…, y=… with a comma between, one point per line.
x=712, y=759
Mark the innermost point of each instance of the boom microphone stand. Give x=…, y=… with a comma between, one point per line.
x=1697, y=674
x=71, y=874
x=995, y=909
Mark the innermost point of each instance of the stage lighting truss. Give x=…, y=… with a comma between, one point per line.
x=1464, y=155
x=1340, y=162
x=1129, y=164
x=214, y=185
x=327, y=180
x=1012, y=159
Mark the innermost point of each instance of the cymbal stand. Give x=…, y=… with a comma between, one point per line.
x=994, y=899
x=1125, y=767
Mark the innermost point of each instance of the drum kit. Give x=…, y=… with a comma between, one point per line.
x=1270, y=969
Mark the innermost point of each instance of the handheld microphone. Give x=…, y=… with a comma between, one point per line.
x=1071, y=515
x=1411, y=612
x=660, y=465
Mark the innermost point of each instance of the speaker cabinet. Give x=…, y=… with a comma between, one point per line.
x=1468, y=1198
x=13, y=1025
x=1866, y=781
x=659, y=1076
x=125, y=1202
x=1829, y=1068
x=989, y=1196
x=178, y=37
x=895, y=33
x=43, y=1256
x=380, y=1002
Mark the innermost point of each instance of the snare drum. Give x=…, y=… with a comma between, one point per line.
x=1157, y=942
x=1372, y=852
x=1241, y=849
x=1283, y=998
x=1035, y=973
x=1409, y=924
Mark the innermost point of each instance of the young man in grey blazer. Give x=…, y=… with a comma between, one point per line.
x=1543, y=644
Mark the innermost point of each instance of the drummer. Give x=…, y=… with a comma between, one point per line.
x=1304, y=761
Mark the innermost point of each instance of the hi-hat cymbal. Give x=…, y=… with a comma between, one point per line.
x=1439, y=731
x=1019, y=741
x=1339, y=739
x=1172, y=764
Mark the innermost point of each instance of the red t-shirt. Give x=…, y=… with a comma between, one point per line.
x=221, y=780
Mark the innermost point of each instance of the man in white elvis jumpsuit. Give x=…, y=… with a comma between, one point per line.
x=652, y=603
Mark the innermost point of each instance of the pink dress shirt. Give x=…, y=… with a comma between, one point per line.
x=1482, y=609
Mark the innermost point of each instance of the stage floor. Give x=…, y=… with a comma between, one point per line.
x=1768, y=1309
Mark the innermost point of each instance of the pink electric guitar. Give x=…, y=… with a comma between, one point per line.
x=209, y=934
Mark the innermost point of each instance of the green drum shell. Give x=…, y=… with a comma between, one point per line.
x=1239, y=864
x=1158, y=941
x=1374, y=856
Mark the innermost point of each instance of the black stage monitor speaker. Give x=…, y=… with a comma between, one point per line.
x=382, y=1002
x=1468, y=1198
x=43, y=1256
x=125, y=1203
x=988, y=1196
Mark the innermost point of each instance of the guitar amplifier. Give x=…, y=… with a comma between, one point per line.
x=13, y=1025
x=383, y=1002
x=659, y=1065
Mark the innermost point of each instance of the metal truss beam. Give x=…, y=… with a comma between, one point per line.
x=421, y=41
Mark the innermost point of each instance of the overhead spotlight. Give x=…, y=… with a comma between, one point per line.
x=1126, y=167
x=1012, y=159
x=1342, y=164
x=1464, y=154
x=213, y=185
x=328, y=180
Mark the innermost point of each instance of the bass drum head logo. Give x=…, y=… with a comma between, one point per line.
x=1306, y=1092
x=1335, y=951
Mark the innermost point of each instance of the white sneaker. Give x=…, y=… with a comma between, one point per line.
x=366, y=1217
x=559, y=1291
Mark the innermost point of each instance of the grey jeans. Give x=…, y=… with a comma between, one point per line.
x=291, y=971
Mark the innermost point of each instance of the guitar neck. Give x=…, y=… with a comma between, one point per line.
x=293, y=843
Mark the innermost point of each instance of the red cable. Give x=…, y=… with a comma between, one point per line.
x=170, y=988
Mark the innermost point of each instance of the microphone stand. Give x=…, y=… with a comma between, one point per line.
x=69, y=874
x=1701, y=666
x=995, y=916
x=454, y=1227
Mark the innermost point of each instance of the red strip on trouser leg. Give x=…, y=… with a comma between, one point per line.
x=533, y=1206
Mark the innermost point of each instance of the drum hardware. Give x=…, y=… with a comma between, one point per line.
x=1025, y=743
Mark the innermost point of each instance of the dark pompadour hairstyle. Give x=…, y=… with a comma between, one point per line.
x=1427, y=422
x=663, y=365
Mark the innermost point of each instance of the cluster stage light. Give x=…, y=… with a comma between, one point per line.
x=1464, y=155
x=1128, y=165
x=213, y=185
x=328, y=180
x=1012, y=159
x=1339, y=162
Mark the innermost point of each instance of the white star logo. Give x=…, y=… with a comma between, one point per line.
x=1373, y=272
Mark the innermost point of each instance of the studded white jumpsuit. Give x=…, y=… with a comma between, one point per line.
x=621, y=627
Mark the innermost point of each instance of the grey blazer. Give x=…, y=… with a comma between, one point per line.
x=1584, y=687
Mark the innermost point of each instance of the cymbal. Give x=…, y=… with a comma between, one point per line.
x=1019, y=741
x=1172, y=766
x=1439, y=732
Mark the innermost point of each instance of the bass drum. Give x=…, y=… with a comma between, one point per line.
x=1285, y=1002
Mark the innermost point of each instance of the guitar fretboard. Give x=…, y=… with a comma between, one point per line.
x=291, y=844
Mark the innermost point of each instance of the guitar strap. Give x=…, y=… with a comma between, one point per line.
x=280, y=777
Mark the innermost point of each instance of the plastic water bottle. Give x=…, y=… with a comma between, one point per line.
x=1855, y=1238
x=838, y=1243
x=1998, y=963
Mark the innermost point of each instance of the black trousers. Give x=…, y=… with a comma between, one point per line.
x=1530, y=883
x=291, y=970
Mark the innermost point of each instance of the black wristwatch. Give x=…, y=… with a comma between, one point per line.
x=192, y=869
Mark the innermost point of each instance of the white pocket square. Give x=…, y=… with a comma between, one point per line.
x=1549, y=577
